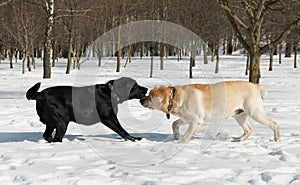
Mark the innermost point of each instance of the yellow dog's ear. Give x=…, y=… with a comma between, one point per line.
x=164, y=107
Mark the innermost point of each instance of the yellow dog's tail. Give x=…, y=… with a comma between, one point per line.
x=263, y=91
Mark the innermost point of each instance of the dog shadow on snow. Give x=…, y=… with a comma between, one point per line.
x=8, y=137
x=154, y=137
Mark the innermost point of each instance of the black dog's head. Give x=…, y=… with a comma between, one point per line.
x=125, y=88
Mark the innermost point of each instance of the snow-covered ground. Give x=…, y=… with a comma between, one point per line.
x=96, y=155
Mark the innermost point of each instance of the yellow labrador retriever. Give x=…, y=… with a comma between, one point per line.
x=199, y=104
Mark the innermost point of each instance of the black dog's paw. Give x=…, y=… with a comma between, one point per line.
x=48, y=138
x=57, y=140
x=131, y=138
x=139, y=138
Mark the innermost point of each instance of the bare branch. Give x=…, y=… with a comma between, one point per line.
x=229, y=12
x=283, y=35
x=273, y=2
x=238, y=33
x=77, y=15
x=258, y=17
x=5, y=3
x=249, y=8
x=280, y=8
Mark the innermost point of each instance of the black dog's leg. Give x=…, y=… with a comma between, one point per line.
x=114, y=124
x=48, y=133
x=60, y=132
x=131, y=138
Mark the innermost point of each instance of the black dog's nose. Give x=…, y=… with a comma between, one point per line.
x=142, y=100
x=145, y=90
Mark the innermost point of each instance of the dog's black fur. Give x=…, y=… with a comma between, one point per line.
x=57, y=106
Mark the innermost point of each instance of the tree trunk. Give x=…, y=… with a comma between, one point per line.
x=1, y=57
x=161, y=55
x=191, y=66
x=99, y=60
x=28, y=62
x=229, y=46
x=100, y=52
x=205, y=53
x=275, y=50
x=74, y=59
x=280, y=54
x=76, y=54
x=180, y=53
x=16, y=56
x=213, y=49
x=69, y=60
x=39, y=52
x=288, y=49
x=21, y=55
x=235, y=44
x=131, y=53
x=271, y=59
x=151, y=66
x=193, y=58
x=254, y=76
x=217, y=60
x=119, y=45
x=128, y=60
x=161, y=59
x=23, y=65
x=11, y=55
x=247, y=64
x=296, y=53
x=123, y=53
x=79, y=53
x=167, y=51
x=48, y=35
x=142, y=50
x=33, y=61
x=54, y=53
x=224, y=47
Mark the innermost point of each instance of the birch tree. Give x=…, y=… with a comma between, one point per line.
x=49, y=9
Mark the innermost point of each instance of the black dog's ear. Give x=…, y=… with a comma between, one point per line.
x=110, y=84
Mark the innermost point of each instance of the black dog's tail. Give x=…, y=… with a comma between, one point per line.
x=32, y=92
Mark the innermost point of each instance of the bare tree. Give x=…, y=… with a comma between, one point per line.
x=296, y=39
x=21, y=32
x=123, y=12
x=214, y=32
x=48, y=7
x=248, y=30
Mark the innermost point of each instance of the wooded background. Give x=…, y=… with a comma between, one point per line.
x=50, y=29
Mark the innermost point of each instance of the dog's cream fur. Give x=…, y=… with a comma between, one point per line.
x=199, y=104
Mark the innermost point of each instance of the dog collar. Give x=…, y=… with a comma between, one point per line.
x=170, y=106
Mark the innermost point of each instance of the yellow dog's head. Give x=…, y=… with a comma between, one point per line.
x=158, y=99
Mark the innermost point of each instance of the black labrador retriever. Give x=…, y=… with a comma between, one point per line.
x=57, y=106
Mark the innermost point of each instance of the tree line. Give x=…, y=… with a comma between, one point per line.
x=50, y=29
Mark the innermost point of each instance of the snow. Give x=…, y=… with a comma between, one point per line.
x=96, y=155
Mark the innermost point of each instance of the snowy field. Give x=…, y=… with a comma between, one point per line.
x=96, y=155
